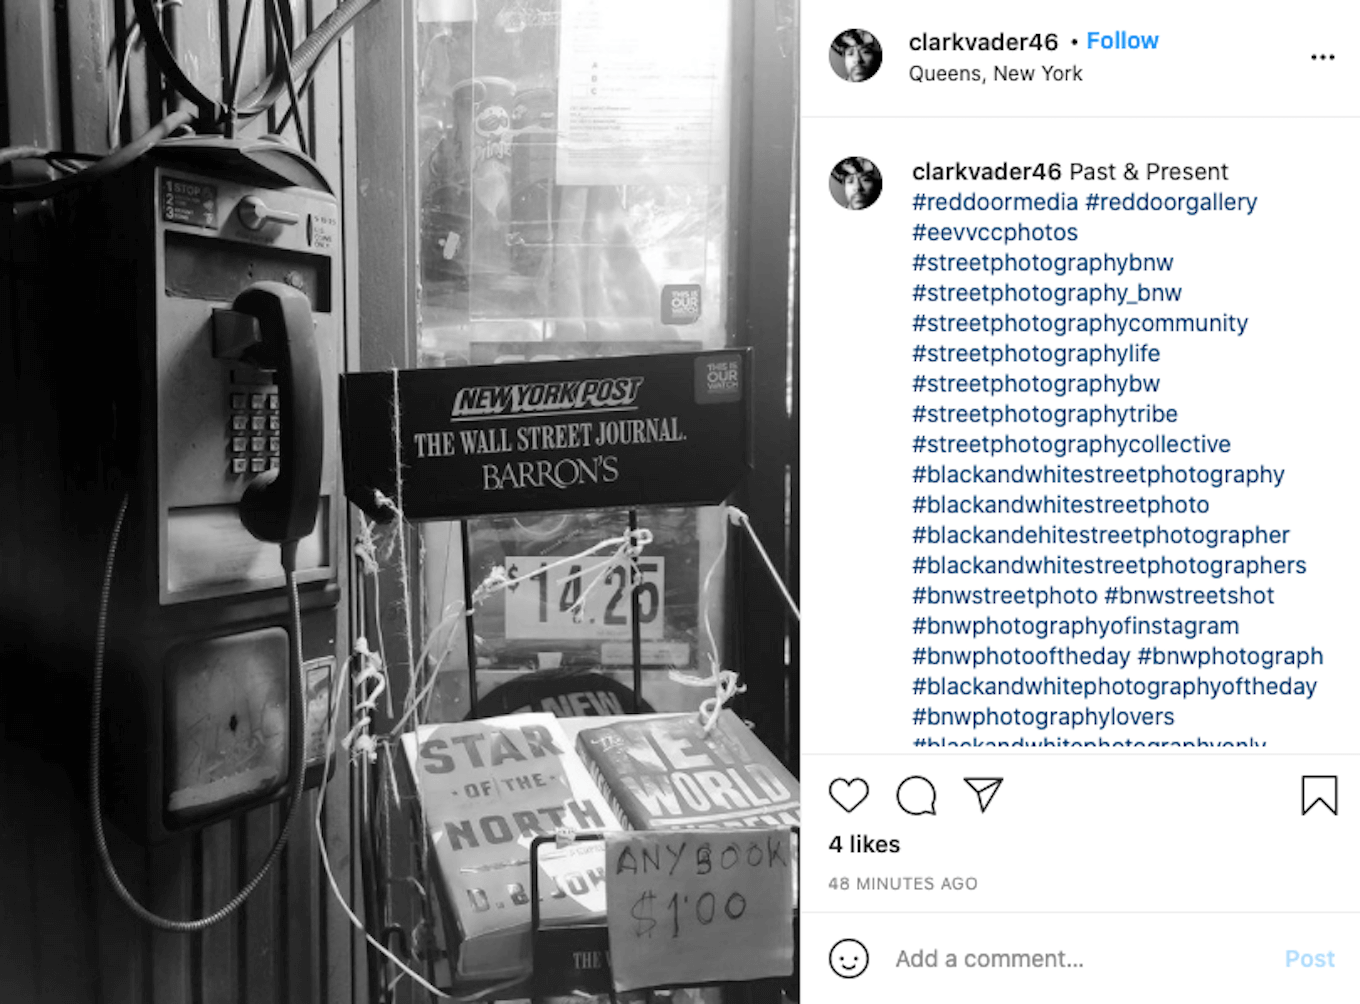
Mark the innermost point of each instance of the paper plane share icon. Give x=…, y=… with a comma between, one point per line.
x=985, y=788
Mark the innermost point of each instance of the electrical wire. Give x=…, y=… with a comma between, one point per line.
x=307, y=54
x=13, y=153
x=266, y=94
x=235, y=85
x=210, y=114
x=276, y=20
x=297, y=728
x=302, y=89
x=120, y=158
x=116, y=116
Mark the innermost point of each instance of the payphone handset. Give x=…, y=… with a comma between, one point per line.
x=280, y=504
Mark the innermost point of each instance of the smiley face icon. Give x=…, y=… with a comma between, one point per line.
x=849, y=958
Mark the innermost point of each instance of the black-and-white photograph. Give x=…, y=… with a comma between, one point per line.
x=856, y=55
x=856, y=183
x=399, y=433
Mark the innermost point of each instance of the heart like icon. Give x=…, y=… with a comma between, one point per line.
x=849, y=794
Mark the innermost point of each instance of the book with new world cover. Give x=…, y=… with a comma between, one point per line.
x=487, y=789
x=662, y=772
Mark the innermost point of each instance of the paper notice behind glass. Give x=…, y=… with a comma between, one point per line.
x=644, y=99
x=699, y=906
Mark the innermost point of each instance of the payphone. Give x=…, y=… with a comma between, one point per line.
x=208, y=320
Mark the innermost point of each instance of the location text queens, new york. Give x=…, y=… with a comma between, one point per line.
x=581, y=419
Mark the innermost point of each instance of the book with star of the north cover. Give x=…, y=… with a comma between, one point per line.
x=663, y=772
x=487, y=789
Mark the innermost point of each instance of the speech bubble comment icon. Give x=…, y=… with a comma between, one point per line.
x=916, y=796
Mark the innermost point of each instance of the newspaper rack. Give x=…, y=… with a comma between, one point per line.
x=709, y=392
x=571, y=960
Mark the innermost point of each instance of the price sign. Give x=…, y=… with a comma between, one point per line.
x=558, y=602
x=698, y=906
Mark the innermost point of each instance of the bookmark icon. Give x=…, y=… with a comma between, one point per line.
x=1319, y=789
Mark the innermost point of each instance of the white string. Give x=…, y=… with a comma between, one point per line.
x=325, y=858
x=723, y=681
x=725, y=689
x=741, y=519
x=359, y=739
x=705, y=592
x=366, y=549
x=427, y=691
x=627, y=551
x=628, y=546
x=411, y=701
x=497, y=582
x=403, y=570
x=426, y=697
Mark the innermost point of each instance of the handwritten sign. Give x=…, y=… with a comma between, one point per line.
x=668, y=429
x=695, y=906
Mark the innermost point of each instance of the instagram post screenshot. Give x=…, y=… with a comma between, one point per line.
x=1076, y=549
x=400, y=557
x=426, y=424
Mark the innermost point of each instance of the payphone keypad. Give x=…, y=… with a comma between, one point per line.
x=253, y=435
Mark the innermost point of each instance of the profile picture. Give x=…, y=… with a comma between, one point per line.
x=856, y=55
x=856, y=183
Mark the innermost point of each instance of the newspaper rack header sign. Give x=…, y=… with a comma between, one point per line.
x=668, y=429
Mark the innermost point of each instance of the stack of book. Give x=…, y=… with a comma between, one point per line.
x=489, y=787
